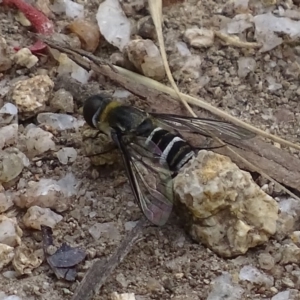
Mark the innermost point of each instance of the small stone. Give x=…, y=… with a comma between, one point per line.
x=153, y=285
x=241, y=4
x=67, y=155
x=282, y=296
x=22, y=156
x=73, y=9
x=69, y=8
x=8, y=135
x=288, y=282
x=295, y=237
x=51, y=250
x=266, y=261
x=12, y=297
x=5, y=202
x=39, y=141
x=289, y=268
x=11, y=164
x=253, y=275
x=87, y=32
x=9, y=274
x=130, y=225
x=239, y=24
x=183, y=49
x=246, y=65
x=191, y=68
x=289, y=206
x=48, y=193
x=290, y=254
x=113, y=24
x=5, y=61
x=266, y=27
x=76, y=214
x=178, y=264
x=39, y=163
x=179, y=275
x=81, y=75
x=224, y=288
x=67, y=291
x=25, y=260
x=278, y=271
x=285, y=224
x=133, y=7
x=8, y=114
x=146, y=58
x=44, y=7
x=273, y=290
x=86, y=210
x=146, y=28
x=186, y=66
x=107, y=231
x=121, y=94
x=179, y=242
x=62, y=101
x=92, y=214
x=25, y=58
x=69, y=67
x=58, y=7
x=59, y=122
x=125, y=296
x=273, y=85
x=31, y=95
x=120, y=60
x=91, y=253
x=122, y=280
x=10, y=232
x=199, y=37
x=6, y=255
x=37, y=216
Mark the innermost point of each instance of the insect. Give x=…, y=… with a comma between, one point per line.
x=152, y=147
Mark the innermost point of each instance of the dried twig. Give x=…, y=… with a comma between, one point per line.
x=99, y=271
x=232, y=40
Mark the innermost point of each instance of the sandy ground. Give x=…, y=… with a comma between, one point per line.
x=166, y=264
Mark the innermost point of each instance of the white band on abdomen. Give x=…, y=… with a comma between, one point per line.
x=165, y=153
x=149, y=138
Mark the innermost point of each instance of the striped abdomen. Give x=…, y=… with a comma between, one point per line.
x=175, y=151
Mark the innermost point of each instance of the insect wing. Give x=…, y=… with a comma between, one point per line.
x=203, y=126
x=150, y=179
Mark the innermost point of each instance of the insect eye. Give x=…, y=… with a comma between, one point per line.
x=92, y=106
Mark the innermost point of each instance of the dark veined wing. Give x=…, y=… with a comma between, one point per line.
x=150, y=179
x=203, y=126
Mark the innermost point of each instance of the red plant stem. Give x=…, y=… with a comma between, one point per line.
x=38, y=20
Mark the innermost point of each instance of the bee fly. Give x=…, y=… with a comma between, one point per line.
x=152, y=148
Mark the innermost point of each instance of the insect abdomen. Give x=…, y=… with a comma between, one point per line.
x=175, y=151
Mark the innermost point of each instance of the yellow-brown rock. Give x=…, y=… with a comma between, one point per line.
x=25, y=260
x=31, y=95
x=6, y=255
x=223, y=207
